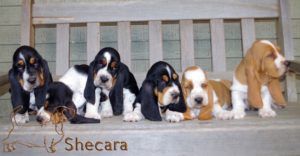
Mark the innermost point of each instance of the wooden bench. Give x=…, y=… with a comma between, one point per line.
x=154, y=12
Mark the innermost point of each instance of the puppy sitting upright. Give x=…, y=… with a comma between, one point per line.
x=29, y=78
x=204, y=98
x=256, y=80
x=160, y=92
x=107, y=74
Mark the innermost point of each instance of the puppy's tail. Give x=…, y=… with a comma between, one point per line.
x=78, y=119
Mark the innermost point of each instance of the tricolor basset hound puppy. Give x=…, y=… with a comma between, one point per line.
x=29, y=78
x=256, y=80
x=59, y=106
x=160, y=93
x=107, y=81
x=205, y=98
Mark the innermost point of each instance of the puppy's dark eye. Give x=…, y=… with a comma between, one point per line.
x=114, y=65
x=103, y=61
x=203, y=85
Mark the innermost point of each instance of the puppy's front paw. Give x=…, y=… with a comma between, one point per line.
x=106, y=114
x=132, y=117
x=93, y=115
x=172, y=116
x=238, y=114
x=224, y=115
x=21, y=118
x=264, y=113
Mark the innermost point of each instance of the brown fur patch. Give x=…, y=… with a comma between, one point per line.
x=160, y=95
x=222, y=90
x=206, y=111
x=21, y=82
x=103, y=61
x=41, y=77
x=32, y=60
x=165, y=78
x=113, y=64
x=20, y=62
x=175, y=76
x=58, y=117
x=276, y=92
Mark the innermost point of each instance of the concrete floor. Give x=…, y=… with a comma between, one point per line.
x=250, y=136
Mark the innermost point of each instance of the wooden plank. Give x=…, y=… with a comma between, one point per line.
x=132, y=10
x=248, y=33
x=286, y=43
x=4, y=88
x=62, y=48
x=218, y=45
x=124, y=42
x=3, y=78
x=93, y=40
x=187, y=43
x=155, y=42
x=27, y=30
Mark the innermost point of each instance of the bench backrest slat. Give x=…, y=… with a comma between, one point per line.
x=93, y=40
x=187, y=43
x=62, y=48
x=248, y=33
x=124, y=42
x=155, y=42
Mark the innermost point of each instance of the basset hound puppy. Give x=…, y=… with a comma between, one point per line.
x=107, y=81
x=256, y=80
x=29, y=78
x=205, y=98
x=59, y=106
x=160, y=93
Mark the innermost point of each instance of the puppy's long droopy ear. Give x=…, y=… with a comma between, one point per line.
x=40, y=92
x=254, y=86
x=275, y=90
x=116, y=94
x=18, y=96
x=149, y=104
x=89, y=90
x=206, y=111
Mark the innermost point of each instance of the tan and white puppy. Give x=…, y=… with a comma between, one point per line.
x=256, y=80
x=205, y=98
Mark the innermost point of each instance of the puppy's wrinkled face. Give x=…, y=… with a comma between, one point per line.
x=28, y=64
x=270, y=59
x=167, y=89
x=106, y=68
x=194, y=86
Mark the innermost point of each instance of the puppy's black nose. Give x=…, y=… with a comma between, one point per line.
x=175, y=95
x=39, y=119
x=32, y=79
x=287, y=63
x=198, y=100
x=104, y=79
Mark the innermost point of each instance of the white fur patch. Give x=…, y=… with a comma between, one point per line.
x=92, y=109
x=32, y=101
x=128, y=101
x=104, y=72
x=169, y=71
x=106, y=108
x=197, y=77
x=21, y=118
x=135, y=115
x=76, y=82
x=173, y=116
x=167, y=98
x=44, y=115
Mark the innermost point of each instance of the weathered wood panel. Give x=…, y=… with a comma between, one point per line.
x=156, y=10
x=10, y=15
x=124, y=42
x=218, y=45
x=186, y=43
x=27, y=30
x=155, y=42
x=62, y=48
x=93, y=41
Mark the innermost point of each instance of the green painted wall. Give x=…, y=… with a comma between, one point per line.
x=45, y=37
